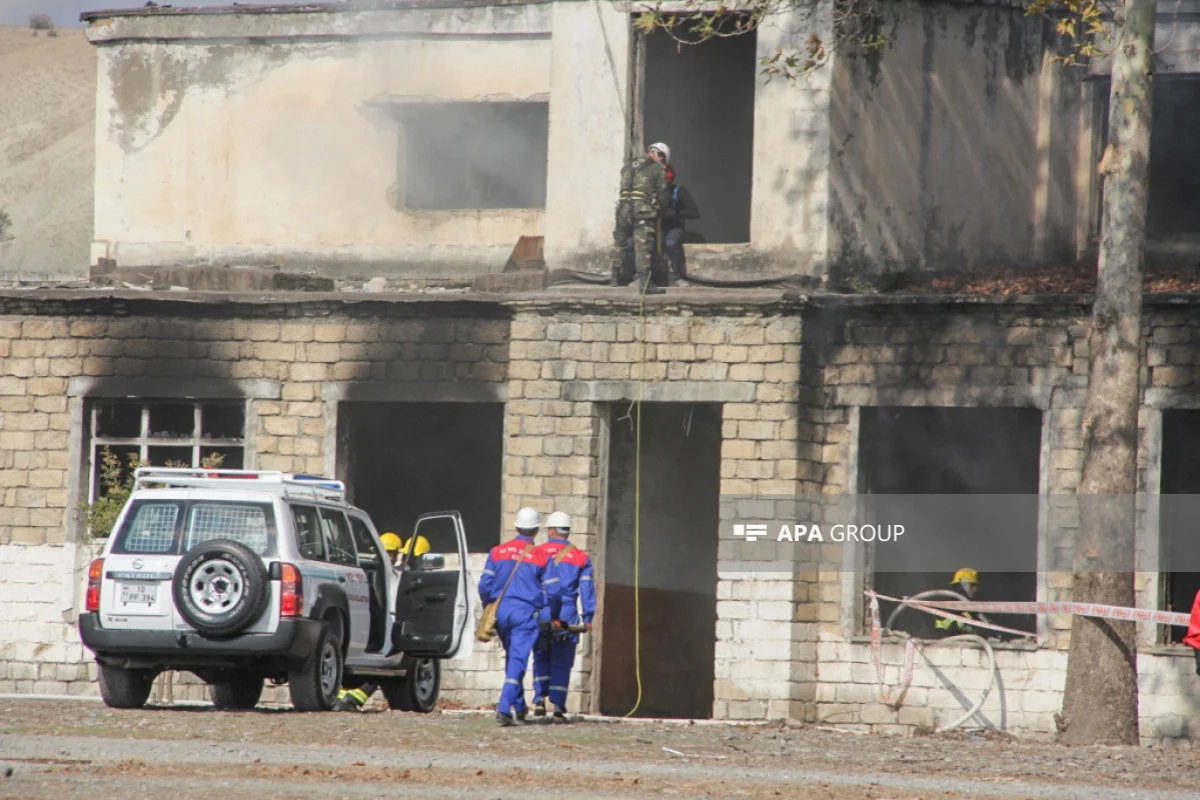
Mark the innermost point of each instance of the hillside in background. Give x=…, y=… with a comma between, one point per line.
x=47, y=151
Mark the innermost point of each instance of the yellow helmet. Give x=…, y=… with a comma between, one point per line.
x=421, y=548
x=391, y=542
x=965, y=575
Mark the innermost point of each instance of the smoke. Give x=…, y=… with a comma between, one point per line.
x=474, y=155
x=65, y=13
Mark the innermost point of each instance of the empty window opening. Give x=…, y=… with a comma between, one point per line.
x=945, y=451
x=401, y=460
x=1174, y=171
x=699, y=99
x=1179, y=508
x=680, y=469
x=163, y=433
x=474, y=155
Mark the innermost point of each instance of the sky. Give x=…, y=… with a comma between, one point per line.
x=65, y=13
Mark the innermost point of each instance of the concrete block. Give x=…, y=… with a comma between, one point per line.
x=771, y=651
x=838, y=713
x=1041, y=702
x=517, y=281
x=835, y=673
x=855, y=693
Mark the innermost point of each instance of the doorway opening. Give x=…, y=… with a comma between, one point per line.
x=401, y=460
x=947, y=451
x=680, y=488
x=699, y=100
x=1179, y=546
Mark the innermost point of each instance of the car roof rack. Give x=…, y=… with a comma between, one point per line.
x=290, y=485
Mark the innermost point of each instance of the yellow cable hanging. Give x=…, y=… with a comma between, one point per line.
x=637, y=498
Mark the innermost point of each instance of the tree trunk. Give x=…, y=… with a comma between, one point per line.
x=1100, y=704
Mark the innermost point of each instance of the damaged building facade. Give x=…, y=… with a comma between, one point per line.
x=487, y=404
x=421, y=140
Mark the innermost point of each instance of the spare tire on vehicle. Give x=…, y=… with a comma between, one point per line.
x=220, y=587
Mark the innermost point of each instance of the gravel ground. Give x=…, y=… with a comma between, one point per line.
x=83, y=749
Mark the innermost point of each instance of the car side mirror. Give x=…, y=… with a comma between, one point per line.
x=431, y=561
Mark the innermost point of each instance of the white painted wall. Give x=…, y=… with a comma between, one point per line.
x=40, y=650
x=278, y=151
x=790, y=196
x=589, y=65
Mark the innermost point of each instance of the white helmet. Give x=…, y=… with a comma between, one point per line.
x=662, y=148
x=560, y=520
x=529, y=519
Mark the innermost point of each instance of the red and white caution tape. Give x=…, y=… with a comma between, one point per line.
x=1079, y=609
x=935, y=607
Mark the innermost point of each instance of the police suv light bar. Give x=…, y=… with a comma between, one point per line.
x=195, y=477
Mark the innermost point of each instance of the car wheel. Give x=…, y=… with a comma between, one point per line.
x=240, y=692
x=125, y=688
x=220, y=587
x=314, y=687
x=418, y=690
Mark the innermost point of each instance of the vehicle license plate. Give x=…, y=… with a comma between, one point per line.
x=139, y=593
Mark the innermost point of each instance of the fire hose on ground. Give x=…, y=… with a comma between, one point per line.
x=941, y=608
x=911, y=645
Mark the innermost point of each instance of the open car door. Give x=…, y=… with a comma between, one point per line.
x=432, y=604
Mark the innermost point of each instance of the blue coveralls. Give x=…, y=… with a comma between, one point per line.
x=517, y=617
x=567, y=583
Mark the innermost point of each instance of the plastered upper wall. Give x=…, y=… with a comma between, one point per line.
x=246, y=136
x=251, y=136
x=959, y=145
x=281, y=146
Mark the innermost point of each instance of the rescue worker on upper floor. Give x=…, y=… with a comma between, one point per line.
x=514, y=575
x=680, y=208
x=569, y=583
x=643, y=197
x=965, y=580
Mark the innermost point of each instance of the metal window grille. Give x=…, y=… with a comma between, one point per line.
x=194, y=443
x=246, y=525
x=153, y=529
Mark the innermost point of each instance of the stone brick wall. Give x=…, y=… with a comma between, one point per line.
x=918, y=352
x=566, y=361
x=292, y=354
x=38, y=357
x=39, y=651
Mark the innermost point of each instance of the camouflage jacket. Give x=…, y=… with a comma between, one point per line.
x=644, y=191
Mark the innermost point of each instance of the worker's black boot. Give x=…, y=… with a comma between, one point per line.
x=539, y=708
x=645, y=285
x=560, y=714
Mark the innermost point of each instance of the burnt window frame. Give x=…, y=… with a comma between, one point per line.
x=144, y=440
x=860, y=558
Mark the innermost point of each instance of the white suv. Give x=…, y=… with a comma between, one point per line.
x=241, y=576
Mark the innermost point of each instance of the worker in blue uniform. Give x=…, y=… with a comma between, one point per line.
x=569, y=584
x=514, y=576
